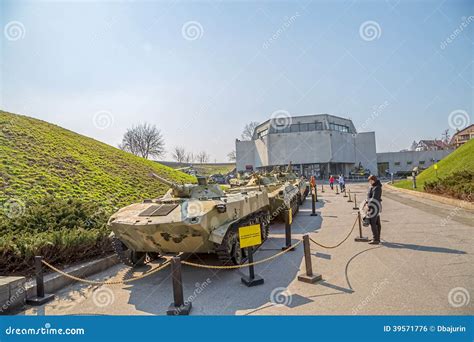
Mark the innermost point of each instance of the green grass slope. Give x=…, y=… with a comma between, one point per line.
x=57, y=189
x=454, y=172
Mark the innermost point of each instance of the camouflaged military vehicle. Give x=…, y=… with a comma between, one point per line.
x=281, y=194
x=299, y=182
x=189, y=218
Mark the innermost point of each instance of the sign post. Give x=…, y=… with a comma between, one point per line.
x=250, y=236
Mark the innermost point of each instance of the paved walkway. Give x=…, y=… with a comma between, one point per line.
x=427, y=254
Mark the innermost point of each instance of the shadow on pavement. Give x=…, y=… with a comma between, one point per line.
x=422, y=248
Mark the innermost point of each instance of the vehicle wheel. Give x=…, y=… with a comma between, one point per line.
x=238, y=253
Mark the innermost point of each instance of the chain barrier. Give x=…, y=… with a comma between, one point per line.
x=118, y=282
x=340, y=243
x=189, y=263
x=243, y=265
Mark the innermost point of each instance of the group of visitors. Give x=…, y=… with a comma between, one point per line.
x=340, y=181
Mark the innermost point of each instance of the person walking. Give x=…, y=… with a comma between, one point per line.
x=331, y=182
x=342, y=183
x=374, y=208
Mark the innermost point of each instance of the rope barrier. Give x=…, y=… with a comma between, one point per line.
x=340, y=243
x=243, y=265
x=167, y=263
x=95, y=282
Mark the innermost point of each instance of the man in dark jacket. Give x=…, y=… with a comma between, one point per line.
x=374, y=206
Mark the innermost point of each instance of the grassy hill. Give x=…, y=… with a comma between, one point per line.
x=454, y=178
x=57, y=189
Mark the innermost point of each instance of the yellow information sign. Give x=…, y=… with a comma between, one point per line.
x=290, y=216
x=250, y=236
x=436, y=166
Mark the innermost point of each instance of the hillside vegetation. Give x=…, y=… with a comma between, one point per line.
x=58, y=188
x=455, y=176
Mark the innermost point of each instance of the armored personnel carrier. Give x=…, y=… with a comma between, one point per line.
x=281, y=194
x=299, y=182
x=189, y=218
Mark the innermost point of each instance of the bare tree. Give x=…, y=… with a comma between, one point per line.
x=179, y=154
x=202, y=157
x=232, y=156
x=249, y=128
x=445, y=136
x=189, y=157
x=144, y=140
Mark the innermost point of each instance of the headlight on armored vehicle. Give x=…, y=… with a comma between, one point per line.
x=221, y=208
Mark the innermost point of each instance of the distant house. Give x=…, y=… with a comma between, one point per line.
x=429, y=145
x=461, y=137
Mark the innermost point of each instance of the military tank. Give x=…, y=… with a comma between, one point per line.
x=189, y=218
x=282, y=195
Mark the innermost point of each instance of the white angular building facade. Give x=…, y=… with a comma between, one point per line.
x=319, y=144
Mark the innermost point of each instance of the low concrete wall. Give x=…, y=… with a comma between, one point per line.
x=55, y=281
x=15, y=290
x=12, y=293
x=438, y=198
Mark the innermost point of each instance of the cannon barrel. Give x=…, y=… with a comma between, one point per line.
x=172, y=185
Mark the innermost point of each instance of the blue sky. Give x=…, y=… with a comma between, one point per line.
x=78, y=63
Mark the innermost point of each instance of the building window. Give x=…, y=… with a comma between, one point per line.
x=304, y=127
x=263, y=133
x=282, y=129
x=409, y=162
x=339, y=128
x=422, y=162
x=397, y=163
x=295, y=128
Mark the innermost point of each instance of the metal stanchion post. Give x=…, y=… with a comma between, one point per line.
x=316, y=193
x=288, y=219
x=313, y=202
x=337, y=189
x=345, y=194
x=322, y=187
x=350, y=199
x=355, y=203
x=40, y=297
x=360, y=238
x=252, y=279
x=179, y=306
x=309, y=276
